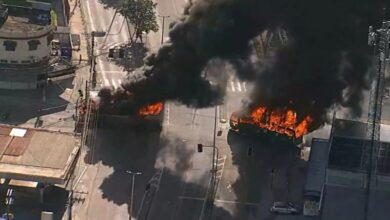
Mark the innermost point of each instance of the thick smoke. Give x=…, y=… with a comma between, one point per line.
x=325, y=63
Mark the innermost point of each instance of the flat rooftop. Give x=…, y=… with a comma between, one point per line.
x=37, y=155
x=23, y=20
x=349, y=139
x=348, y=204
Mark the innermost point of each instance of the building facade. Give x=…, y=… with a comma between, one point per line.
x=25, y=46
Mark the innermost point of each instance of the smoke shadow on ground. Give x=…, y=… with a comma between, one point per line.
x=135, y=54
x=21, y=106
x=146, y=152
x=271, y=171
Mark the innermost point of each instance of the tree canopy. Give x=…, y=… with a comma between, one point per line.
x=141, y=14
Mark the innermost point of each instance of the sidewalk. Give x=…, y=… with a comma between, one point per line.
x=80, y=57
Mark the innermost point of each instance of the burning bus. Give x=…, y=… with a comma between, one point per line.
x=282, y=123
x=148, y=116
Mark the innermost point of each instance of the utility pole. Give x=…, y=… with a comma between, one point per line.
x=163, y=26
x=93, y=58
x=214, y=140
x=379, y=40
x=132, y=191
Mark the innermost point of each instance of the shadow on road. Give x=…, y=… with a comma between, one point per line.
x=135, y=54
x=162, y=161
x=23, y=105
x=269, y=170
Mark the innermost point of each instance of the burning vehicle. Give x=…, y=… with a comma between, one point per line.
x=139, y=117
x=281, y=123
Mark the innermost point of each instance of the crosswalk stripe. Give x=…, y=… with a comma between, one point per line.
x=106, y=82
x=244, y=85
x=114, y=84
x=111, y=44
x=120, y=82
x=239, y=86
x=232, y=85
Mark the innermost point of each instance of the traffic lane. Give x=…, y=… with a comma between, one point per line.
x=187, y=177
x=250, y=211
x=190, y=123
x=118, y=151
x=109, y=73
x=97, y=23
x=268, y=173
x=168, y=12
x=171, y=7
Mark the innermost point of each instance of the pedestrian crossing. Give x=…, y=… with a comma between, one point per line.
x=115, y=83
x=236, y=86
x=112, y=44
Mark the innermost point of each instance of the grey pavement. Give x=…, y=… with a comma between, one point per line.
x=245, y=190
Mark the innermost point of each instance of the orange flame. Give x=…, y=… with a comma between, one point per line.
x=280, y=121
x=152, y=109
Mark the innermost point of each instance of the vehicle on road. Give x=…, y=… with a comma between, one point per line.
x=284, y=208
x=149, y=117
x=244, y=124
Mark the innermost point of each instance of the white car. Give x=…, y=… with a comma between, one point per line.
x=284, y=208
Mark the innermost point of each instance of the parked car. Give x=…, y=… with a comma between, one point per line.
x=284, y=208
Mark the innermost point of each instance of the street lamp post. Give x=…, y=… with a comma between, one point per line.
x=132, y=191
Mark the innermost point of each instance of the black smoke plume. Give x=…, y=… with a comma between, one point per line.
x=324, y=64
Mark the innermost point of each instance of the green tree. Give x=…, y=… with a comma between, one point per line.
x=141, y=14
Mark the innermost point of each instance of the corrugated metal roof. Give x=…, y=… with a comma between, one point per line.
x=41, y=155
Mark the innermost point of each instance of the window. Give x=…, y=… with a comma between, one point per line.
x=33, y=44
x=9, y=45
x=3, y=61
x=14, y=62
x=26, y=61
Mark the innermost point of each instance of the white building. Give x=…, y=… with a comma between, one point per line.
x=25, y=38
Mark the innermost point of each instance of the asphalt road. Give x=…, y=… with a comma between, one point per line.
x=99, y=19
x=175, y=177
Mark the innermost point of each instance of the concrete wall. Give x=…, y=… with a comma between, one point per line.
x=22, y=52
x=344, y=178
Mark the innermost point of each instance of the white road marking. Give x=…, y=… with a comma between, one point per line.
x=89, y=15
x=114, y=71
x=114, y=83
x=244, y=85
x=191, y=198
x=120, y=82
x=106, y=82
x=167, y=112
x=235, y=202
x=232, y=86
x=239, y=86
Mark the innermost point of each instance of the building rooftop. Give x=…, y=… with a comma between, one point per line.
x=348, y=204
x=22, y=20
x=349, y=138
x=317, y=165
x=37, y=155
